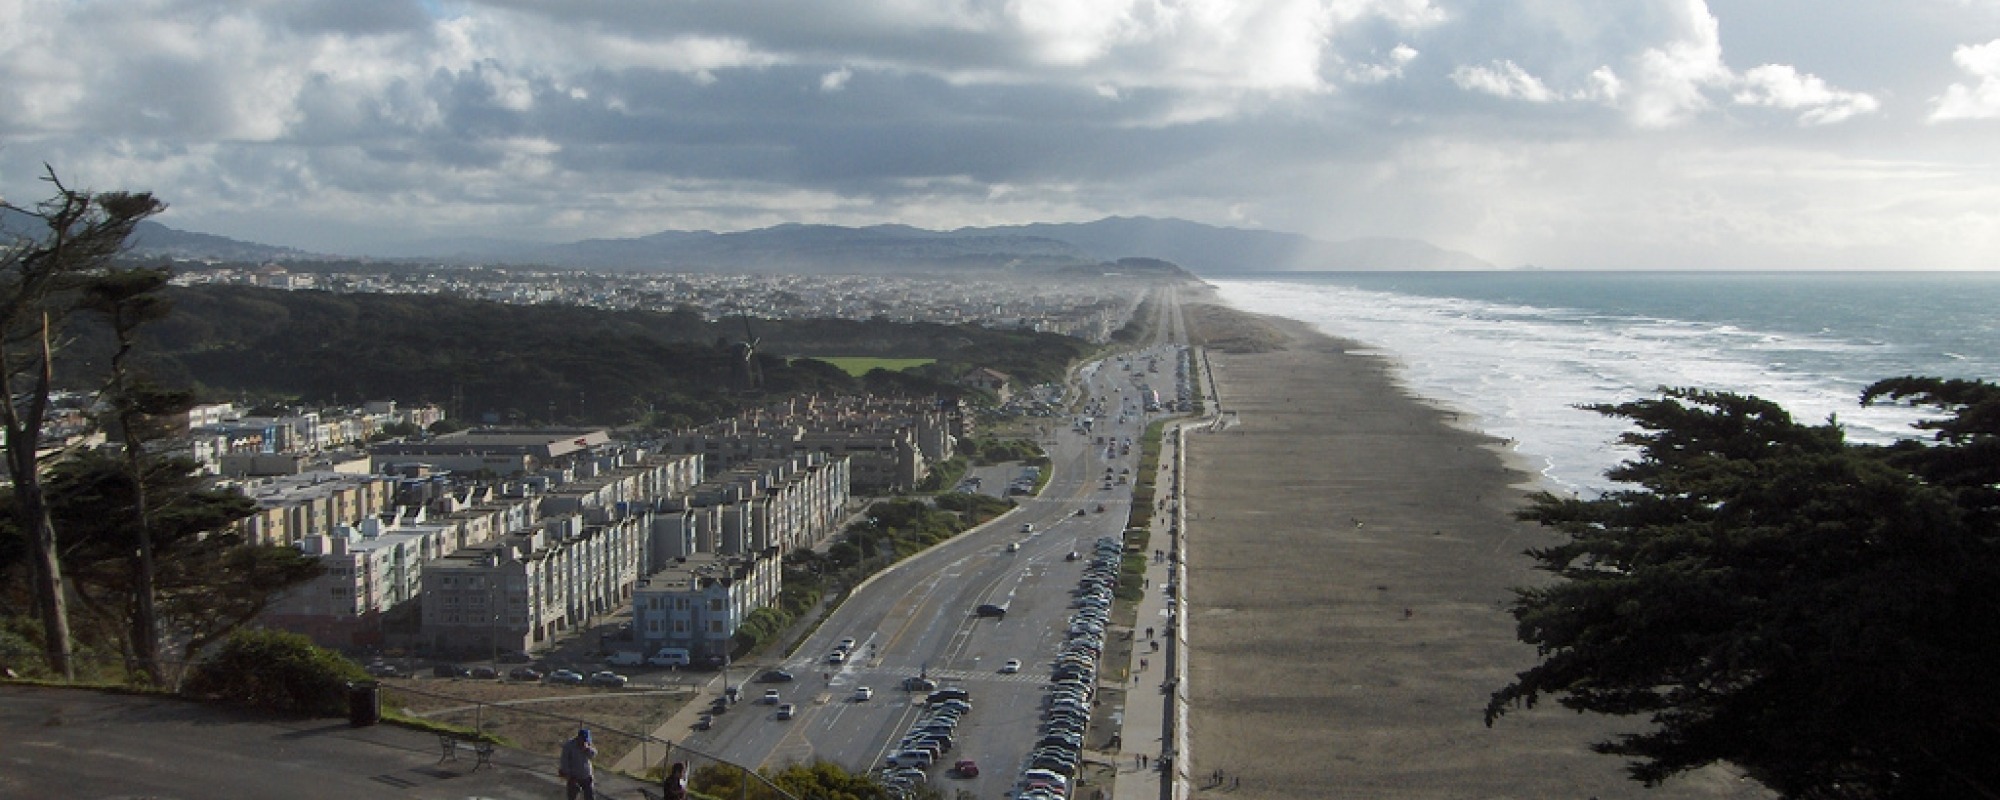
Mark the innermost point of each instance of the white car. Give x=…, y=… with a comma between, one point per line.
x=863, y=694
x=1012, y=666
x=771, y=696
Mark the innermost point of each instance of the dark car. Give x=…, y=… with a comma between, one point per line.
x=775, y=676
x=485, y=673
x=991, y=610
x=918, y=684
x=516, y=657
x=564, y=677
x=951, y=693
x=524, y=674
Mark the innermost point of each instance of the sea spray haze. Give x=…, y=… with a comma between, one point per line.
x=1519, y=351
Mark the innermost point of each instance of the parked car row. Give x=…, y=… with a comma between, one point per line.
x=1058, y=748
x=929, y=738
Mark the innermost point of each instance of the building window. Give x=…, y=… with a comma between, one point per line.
x=715, y=626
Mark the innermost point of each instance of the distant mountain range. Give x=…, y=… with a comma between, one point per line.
x=1202, y=249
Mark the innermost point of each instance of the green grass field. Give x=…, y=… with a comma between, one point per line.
x=860, y=365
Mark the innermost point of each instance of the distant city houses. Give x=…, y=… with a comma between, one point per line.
x=1086, y=309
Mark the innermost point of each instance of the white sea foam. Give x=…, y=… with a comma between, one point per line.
x=1521, y=371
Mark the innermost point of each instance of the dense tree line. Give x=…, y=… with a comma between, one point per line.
x=542, y=363
x=1823, y=613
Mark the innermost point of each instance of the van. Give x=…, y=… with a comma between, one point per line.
x=670, y=657
x=626, y=658
x=911, y=758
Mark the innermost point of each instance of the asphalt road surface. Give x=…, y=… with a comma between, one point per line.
x=918, y=618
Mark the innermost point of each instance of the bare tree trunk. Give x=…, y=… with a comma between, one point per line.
x=32, y=509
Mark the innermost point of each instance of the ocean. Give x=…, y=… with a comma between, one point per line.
x=1516, y=352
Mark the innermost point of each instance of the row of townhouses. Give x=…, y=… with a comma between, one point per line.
x=893, y=442
x=415, y=558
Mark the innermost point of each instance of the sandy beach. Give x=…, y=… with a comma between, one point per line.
x=1350, y=555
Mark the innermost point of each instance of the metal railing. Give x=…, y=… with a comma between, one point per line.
x=537, y=731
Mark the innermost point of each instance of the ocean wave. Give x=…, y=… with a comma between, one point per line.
x=1522, y=372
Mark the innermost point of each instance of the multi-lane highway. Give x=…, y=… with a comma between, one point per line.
x=919, y=618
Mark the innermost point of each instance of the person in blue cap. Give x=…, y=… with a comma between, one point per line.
x=575, y=765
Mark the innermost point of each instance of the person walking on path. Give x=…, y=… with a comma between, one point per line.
x=575, y=767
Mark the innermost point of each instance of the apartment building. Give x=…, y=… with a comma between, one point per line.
x=293, y=508
x=368, y=571
x=698, y=603
x=787, y=503
x=891, y=442
x=500, y=452
x=523, y=590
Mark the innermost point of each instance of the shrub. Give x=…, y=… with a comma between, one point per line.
x=277, y=671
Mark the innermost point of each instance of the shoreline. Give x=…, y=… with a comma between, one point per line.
x=1351, y=552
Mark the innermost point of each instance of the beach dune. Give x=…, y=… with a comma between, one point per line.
x=1350, y=556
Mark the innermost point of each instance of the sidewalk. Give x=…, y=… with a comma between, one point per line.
x=1150, y=700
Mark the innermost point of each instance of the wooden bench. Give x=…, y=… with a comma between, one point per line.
x=451, y=743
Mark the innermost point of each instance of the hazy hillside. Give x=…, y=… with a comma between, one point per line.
x=1209, y=250
x=1038, y=249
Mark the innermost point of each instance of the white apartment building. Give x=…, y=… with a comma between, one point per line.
x=369, y=571
x=698, y=604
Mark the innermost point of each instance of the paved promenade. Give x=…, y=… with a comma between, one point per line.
x=1154, y=727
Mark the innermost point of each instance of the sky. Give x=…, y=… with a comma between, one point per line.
x=1565, y=134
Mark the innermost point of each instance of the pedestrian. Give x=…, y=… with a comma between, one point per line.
x=1149, y=633
x=575, y=767
x=1236, y=782
x=675, y=787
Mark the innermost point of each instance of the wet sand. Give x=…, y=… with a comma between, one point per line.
x=1350, y=555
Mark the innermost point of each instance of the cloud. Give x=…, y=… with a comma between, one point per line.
x=1669, y=82
x=1399, y=57
x=1978, y=101
x=836, y=80
x=1503, y=79
x=1508, y=80
x=1780, y=86
x=1672, y=82
x=340, y=121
